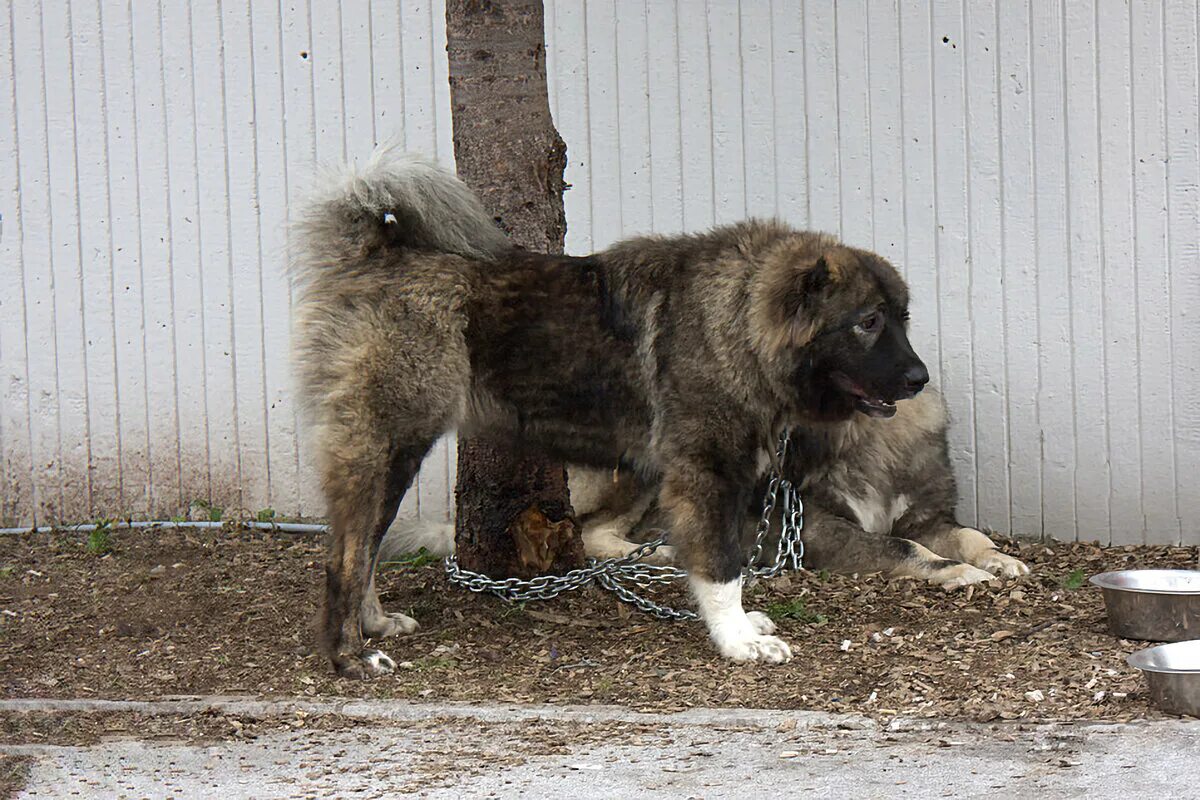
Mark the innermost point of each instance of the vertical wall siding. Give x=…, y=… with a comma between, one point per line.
x=1032, y=167
x=149, y=155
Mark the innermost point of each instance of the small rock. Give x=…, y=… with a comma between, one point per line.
x=845, y=648
x=158, y=572
x=1035, y=696
x=855, y=724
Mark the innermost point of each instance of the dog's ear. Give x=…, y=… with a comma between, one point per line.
x=818, y=277
x=793, y=287
x=811, y=287
x=828, y=269
x=784, y=301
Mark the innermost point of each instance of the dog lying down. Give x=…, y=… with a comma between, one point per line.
x=879, y=497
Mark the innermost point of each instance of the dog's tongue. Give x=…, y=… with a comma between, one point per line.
x=874, y=407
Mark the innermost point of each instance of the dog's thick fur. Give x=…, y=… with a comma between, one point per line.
x=681, y=358
x=879, y=496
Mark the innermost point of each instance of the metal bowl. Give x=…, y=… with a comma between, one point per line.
x=1173, y=674
x=1157, y=605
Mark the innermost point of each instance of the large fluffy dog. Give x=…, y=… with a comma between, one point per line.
x=879, y=496
x=680, y=358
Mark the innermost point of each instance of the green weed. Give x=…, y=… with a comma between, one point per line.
x=1074, y=580
x=795, y=609
x=99, y=541
x=433, y=663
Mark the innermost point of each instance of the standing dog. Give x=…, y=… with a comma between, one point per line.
x=681, y=358
x=879, y=496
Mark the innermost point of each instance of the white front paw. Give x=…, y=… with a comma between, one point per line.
x=1001, y=564
x=738, y=635
x=761, y=623
x=755, y=647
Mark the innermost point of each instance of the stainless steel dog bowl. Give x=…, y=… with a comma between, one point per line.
x=1157, y=605
x=1173, y=674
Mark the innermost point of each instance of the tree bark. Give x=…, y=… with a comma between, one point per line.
x=514, y=516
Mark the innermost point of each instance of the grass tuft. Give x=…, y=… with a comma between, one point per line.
x=1074, y=579
x=797, y=610
x=99, y=541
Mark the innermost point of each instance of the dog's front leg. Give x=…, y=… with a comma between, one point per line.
x=706, y=510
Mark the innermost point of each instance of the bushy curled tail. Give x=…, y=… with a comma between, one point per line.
x=394, y=200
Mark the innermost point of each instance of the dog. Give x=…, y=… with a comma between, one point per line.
x=680, y=358
x=879, y=496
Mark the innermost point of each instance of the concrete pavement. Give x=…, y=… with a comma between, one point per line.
x=399, y=749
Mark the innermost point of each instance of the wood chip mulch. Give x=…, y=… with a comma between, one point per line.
x=169, y=612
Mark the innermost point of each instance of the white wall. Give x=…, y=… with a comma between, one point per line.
x=1038, y=190
x=1032, y=167
x=149, y=152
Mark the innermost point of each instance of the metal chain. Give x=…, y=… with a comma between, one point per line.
x=620, y=575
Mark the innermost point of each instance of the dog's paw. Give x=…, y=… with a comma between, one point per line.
x=387, y=625
x=762, y=624
x=1001, y=564
x=364, y=664
x=663, y=556
x=958, y=576
x=756, y=647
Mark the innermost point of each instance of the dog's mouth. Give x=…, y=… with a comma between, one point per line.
x=864, y=401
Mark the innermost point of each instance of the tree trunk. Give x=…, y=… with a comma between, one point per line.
x=514, y=517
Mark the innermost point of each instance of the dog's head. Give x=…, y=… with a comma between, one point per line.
x=831, y=324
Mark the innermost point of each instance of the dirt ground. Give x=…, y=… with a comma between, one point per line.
x=155, y=613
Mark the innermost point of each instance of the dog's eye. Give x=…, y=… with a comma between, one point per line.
x=871, y=322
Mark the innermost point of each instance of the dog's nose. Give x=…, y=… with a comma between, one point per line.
x=915, y=377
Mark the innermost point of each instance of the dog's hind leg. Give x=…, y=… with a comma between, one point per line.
x=377, y=623
x=386, y=382
x=364, y=494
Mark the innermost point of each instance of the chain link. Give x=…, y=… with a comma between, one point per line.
x=621, y=575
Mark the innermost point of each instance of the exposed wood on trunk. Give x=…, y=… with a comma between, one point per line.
x=513, y=512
